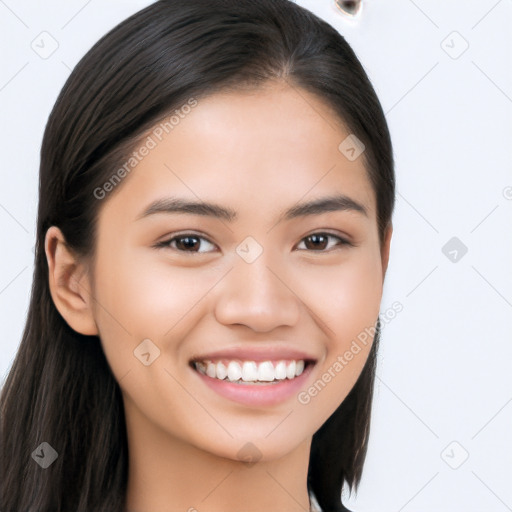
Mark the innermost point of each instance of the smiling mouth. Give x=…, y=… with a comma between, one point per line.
x=252, y=372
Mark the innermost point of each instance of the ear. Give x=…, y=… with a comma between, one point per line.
x=386, y=243
x=69, y=284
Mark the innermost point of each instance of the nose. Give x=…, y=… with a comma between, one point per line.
x=259, y=296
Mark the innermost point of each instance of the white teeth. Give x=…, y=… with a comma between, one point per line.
x=290, y=370
x=266, y=371
x=234, y=371
x=251, y=371
x=211, y=370
x=222, y=372
x=280, y=371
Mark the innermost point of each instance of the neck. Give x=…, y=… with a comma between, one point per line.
x=167, y=474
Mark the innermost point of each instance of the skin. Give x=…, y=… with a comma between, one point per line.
x=257, y=153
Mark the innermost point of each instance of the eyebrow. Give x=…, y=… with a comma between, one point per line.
x=171, y=205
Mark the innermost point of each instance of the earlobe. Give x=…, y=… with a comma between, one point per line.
x=69, y=285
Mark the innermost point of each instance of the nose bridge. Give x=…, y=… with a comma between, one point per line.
x=255, y=292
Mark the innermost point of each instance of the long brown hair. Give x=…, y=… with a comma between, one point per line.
x=60, y=388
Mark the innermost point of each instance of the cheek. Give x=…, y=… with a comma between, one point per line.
x=348, y=302
x=140, y=298
x=348, y=295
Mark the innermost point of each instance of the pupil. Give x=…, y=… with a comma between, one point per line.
x=317, y=238
x=188, y=243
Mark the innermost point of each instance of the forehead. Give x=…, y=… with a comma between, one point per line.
x=250, y=150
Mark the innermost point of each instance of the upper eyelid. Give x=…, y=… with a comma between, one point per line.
x=167, y=241
x=343, y=239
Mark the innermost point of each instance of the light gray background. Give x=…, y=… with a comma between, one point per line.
x=444, y=386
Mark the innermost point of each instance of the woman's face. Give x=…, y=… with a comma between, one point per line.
x=243, y=283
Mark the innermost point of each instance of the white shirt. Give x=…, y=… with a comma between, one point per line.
x=315, y=507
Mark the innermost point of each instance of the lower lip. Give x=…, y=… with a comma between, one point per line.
x=257, y=394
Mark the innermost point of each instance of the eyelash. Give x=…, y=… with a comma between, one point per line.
x=167, y=243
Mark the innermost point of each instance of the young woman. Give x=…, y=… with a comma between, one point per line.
x=214, y=224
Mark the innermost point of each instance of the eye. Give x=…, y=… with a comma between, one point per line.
x=317, y=241
x=190, y=242
x=185, y=242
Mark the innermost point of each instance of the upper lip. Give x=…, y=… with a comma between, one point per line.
x=259, y=353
